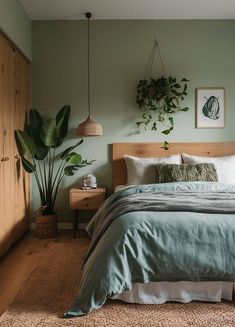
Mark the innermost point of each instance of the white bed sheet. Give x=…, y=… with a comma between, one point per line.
x=119, y=187
x=161, y=292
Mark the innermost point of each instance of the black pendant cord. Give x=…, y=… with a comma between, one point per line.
x=88, y=16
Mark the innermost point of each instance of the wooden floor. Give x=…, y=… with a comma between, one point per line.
x=19, y=262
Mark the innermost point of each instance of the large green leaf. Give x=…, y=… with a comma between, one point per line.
x=41, y=152
x=71, y=169
x=74, y=158
x=28, y=166
x=49, y=133
x=41, y=149
x=62, y=121
x=35, y=121
x=71, y=148
x=25, y=144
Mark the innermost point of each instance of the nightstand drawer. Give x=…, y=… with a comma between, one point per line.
x=86, y=200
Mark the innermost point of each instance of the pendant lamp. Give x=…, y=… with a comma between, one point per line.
x=89, y=127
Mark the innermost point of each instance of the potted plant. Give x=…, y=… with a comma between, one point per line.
x=159, y=99
x=37, y=147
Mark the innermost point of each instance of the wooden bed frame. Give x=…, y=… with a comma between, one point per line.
x=148, y=150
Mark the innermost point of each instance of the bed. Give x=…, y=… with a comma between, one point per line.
x=142, y=254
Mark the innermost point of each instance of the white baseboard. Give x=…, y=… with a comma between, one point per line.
x=64, y=226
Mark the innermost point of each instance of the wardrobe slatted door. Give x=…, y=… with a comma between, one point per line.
x=14, y=102
x=22, y=180
x=8, y=102
x=1, y=146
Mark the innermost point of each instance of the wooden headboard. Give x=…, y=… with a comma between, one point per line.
x=148, y=150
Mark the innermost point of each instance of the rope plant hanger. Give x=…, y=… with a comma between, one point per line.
x=89, y=127
x=159, y=99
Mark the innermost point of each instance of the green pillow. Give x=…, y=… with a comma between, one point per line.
x=186, y=173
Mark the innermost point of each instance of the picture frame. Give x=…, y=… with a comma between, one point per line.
x=210, y=107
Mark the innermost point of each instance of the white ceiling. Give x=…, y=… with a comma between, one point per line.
x=130, y=9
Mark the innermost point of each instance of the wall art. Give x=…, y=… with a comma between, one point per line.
x=210, y=107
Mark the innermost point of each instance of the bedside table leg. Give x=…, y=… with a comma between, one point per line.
x=75, y=223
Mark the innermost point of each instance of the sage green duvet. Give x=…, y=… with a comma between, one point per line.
x=154, y=245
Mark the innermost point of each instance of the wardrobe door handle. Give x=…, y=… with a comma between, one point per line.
x=6, y=158
x=2, y=159
x=17, y=156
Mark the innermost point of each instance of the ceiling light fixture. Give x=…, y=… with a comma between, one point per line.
x=89, y=127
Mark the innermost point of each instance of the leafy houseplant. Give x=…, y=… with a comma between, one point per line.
x=37, y=148
x=159, y=100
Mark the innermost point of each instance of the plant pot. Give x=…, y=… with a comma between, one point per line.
x=46, y=226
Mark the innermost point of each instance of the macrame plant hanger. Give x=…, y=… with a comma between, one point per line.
x=155, y=49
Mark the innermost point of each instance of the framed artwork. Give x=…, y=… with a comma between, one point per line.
x=210, y=107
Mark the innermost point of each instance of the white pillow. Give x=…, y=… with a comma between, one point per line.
x=225, y=166
x=143, y=171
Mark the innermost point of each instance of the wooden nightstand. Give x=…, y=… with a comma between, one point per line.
x=85, y=200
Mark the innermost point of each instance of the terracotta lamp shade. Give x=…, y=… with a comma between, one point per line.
x=89, y=128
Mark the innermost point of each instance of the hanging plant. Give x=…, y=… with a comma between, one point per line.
x=159, y=99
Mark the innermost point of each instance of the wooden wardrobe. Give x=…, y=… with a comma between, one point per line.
x=14, y=182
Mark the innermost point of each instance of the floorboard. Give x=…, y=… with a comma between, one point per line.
x=19, y=262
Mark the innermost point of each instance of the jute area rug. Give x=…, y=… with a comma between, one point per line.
x=51, y=289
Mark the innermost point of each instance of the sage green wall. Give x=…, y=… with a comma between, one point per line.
x=15, y=23
x=202, y=51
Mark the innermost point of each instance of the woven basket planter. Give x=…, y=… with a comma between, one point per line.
x=46, y=226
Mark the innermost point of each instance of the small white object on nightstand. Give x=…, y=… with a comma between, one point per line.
x=89, y=181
